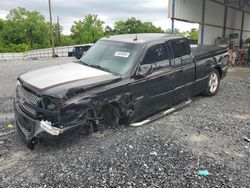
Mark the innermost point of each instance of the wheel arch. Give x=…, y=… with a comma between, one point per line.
x=219, y=69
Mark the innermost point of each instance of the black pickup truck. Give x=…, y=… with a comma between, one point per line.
x=123, y=79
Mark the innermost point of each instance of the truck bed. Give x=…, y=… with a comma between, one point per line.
x=201, y=52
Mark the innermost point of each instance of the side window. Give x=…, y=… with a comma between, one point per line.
x=157, y=56
x=180, y=52
x=179, y=48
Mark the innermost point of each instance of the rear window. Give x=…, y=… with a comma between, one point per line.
x=155, y=54
x=179, y=48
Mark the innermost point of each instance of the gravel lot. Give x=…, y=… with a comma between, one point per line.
x=206, y=135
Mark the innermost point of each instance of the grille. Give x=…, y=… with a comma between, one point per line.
x=28, y=109
x=26, y=99
x=27, y=96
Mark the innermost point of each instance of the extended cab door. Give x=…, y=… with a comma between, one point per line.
x=154, y=92
x=184, y=67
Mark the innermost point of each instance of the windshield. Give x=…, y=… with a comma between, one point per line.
x=110, y=56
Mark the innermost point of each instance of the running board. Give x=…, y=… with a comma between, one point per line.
x=161, y=114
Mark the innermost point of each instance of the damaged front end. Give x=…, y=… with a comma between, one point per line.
x=35, y=115
x=43, y=116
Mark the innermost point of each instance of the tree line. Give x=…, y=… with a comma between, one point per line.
x=24, y=30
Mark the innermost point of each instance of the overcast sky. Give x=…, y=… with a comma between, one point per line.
x=110, y=11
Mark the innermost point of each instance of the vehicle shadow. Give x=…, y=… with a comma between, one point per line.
x=73, y=138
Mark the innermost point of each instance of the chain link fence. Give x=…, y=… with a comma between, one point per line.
x=36, y=54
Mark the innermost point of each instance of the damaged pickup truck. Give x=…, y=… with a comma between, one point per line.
x=123, y=79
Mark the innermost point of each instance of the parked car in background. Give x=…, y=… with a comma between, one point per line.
x=79, y=50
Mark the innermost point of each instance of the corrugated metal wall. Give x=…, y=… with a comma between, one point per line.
x=246, y=33
x=191, y=11
x=214, y=13
x=234, y=18
x=210, y=34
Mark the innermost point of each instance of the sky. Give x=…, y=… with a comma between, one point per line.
x=110, y=11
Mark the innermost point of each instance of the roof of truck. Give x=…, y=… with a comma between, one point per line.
x=140, y=37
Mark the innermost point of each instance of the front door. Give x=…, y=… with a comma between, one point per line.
x=154, y=92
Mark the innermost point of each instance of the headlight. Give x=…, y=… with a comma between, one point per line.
x=49, y=104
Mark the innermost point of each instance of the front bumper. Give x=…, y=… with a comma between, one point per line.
x=31, y=129
x=28, y=127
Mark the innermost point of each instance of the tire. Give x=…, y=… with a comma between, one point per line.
x=212, y=84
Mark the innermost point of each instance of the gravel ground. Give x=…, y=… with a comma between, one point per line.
x=206, y=135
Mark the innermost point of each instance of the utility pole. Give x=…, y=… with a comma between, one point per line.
x=59, y=32
x=173, y=16
x=52, y=32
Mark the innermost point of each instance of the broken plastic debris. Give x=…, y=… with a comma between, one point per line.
x=203, y=172
x=153, y=153
x=10, y=126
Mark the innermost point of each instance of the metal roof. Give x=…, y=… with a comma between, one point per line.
x=238, y=3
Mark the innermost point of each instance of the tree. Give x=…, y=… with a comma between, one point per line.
x=130, y=26
x=57, y=34
x=133, y=25
x=176, y=32
x=88, y=30
x=2, y=24
x=193, y=34
x=26, y=28
x=67, y=40
x=148, y=27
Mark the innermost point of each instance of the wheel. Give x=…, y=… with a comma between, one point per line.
x=213, y=83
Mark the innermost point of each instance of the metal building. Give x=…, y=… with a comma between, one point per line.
x=218, y=19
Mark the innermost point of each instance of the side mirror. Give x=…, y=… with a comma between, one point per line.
x=144, y=70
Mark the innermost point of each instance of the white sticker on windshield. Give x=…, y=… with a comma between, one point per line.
x=122, y=54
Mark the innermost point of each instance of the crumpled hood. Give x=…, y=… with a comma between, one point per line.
x=61, y=78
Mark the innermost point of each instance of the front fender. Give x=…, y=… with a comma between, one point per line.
x=72, y=111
